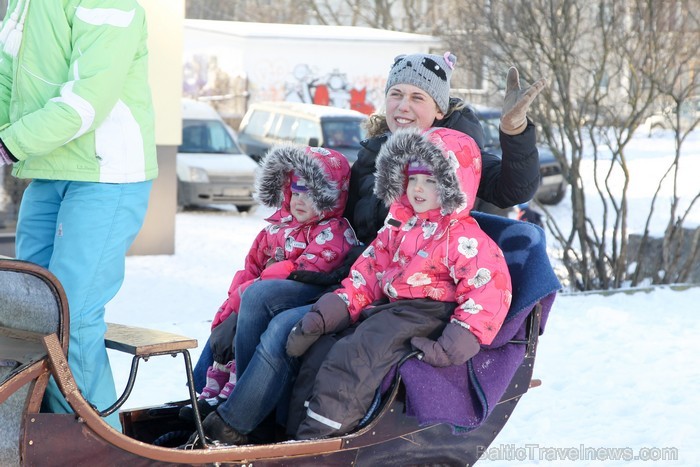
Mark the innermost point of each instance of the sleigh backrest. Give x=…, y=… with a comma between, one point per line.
x=467, y=395
x=524, y=247
x=32, y=304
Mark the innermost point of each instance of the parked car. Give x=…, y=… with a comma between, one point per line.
x=211, y=167
x=665, y=119
x=268, y=123
x=553, y=186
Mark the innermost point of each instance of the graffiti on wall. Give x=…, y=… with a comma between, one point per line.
x=332, y=89
x=204, y=76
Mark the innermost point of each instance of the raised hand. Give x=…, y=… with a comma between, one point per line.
x=517, y=102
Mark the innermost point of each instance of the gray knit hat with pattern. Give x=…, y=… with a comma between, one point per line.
x=431, y=73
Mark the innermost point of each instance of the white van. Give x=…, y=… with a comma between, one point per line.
x=211, y=167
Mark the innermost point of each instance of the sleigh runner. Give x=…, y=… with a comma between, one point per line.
x=405, y=426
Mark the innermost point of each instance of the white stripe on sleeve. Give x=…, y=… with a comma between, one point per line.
x=105, y=16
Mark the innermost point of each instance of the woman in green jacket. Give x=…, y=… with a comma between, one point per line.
x=76, y=117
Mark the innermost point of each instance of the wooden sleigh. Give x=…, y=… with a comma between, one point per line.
x=34, y=322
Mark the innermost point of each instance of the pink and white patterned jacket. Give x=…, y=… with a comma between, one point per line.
x=441, y=254
x=319, y=244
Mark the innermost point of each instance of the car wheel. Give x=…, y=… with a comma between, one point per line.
x=243, y=208
x=553, y=198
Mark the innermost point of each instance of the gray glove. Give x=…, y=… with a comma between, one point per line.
x=327, y=316
x=455, y=346
x=517, y=102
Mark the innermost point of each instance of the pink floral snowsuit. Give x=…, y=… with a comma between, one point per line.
x=434, y=268
x=444, y=257
x=319, y=244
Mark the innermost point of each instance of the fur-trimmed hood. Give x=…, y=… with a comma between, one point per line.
x=453, y=157
x=326, y=172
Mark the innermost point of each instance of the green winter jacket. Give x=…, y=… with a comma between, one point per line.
x=74, y=97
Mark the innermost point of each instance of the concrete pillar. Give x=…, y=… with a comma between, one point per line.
x=165, y=45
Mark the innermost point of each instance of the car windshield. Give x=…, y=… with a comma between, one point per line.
x=207, y=136
x=343, y=133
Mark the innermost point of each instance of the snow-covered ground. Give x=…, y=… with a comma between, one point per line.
x=620, y=380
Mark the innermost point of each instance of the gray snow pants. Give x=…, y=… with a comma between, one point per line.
x=356, y=364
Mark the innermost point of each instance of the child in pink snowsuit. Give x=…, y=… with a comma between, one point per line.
x=432, y=280
x=309, y=186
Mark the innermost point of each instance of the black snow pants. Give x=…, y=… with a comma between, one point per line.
x=356, y=364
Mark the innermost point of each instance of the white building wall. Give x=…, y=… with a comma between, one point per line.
x=341, y=66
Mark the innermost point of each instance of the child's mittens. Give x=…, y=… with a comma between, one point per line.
x=304, y=334
x=328, y=315
x=455, y=346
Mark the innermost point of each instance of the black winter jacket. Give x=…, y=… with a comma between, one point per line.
x=504, y=183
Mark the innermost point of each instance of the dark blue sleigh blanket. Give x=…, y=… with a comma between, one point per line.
x=465, y=395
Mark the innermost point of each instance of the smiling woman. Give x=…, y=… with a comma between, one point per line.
x=78, y=121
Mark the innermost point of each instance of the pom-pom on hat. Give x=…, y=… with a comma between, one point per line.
x=431, y=73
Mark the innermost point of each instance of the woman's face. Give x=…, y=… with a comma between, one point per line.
x=410, y=106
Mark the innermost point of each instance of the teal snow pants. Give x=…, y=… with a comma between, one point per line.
x=81, y=231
